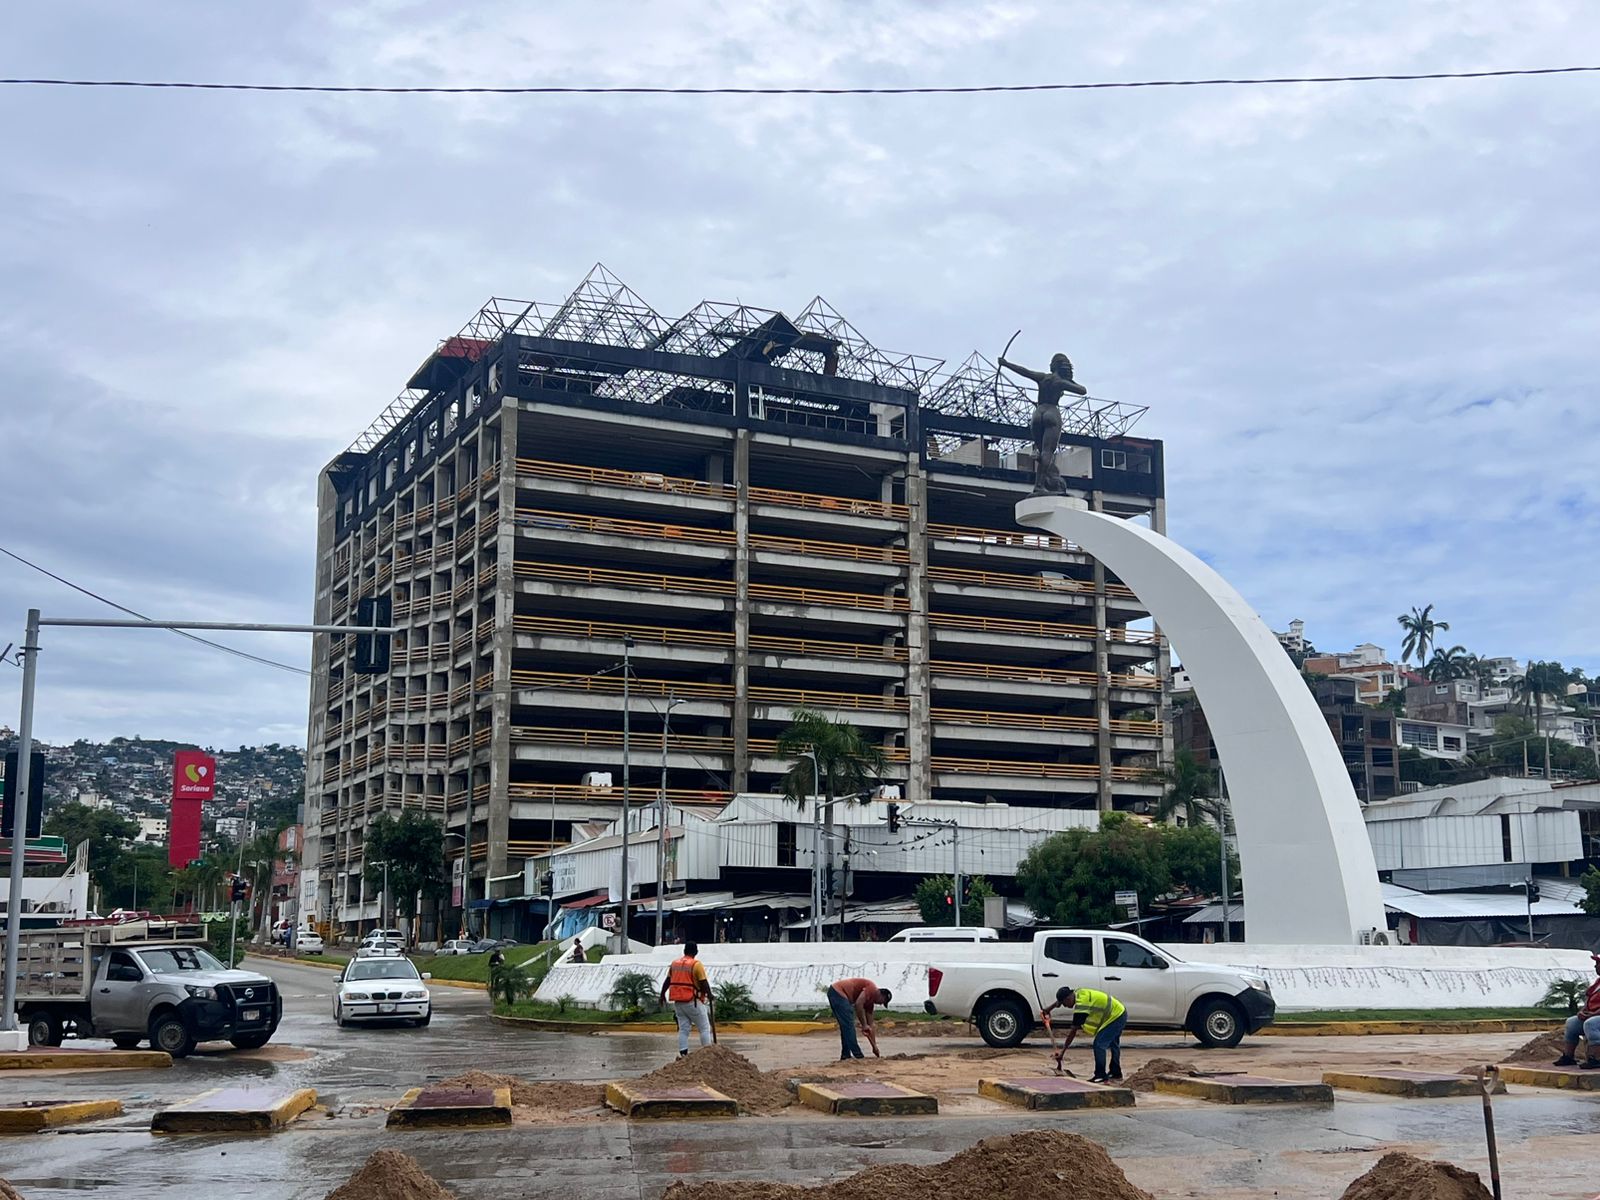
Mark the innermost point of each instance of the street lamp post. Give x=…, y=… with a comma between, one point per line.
x=661, y=820
x=816, y=850
x=627, y=787
x=383, y=896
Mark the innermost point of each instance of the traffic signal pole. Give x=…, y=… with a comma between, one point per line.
x=30, y=657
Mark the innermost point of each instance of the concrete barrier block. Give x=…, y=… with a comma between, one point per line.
x=694, y=1100
x=1245, y=1089
x=451, y=1108
x=30, y=1116
x=1552, y=1077
x=1055, y=1093
x=234, y=1110
x=1415, y=1084
x=866, y=1098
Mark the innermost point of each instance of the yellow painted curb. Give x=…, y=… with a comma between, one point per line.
x=1017, y=1092
x=904, y=1102
x=86, y=1060
x=473, y=984
x=1381, y=1028
x=48, y=1116
x=179, y=1120
x=1402, y=1083
x=1573, y=1078
x=1244, y=1089
x=767, y=1027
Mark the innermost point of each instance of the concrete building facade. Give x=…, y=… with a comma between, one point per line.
x=763, y=514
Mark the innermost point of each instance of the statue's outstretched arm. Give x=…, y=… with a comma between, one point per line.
x=1073, y=386
x=1036, y=376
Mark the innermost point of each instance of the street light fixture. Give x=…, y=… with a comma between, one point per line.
x=383, y=897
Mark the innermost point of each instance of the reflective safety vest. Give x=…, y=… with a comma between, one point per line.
x=680, y=980
x=1102, y=1008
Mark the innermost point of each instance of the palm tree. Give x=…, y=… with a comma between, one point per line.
x=846, y=762
x=1479, y=669
x=1541, y=679
x=1420, y=630
x=1446, y=665
x=1190, y=788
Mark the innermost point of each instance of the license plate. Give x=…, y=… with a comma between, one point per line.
x=386, y=1008
x=250, y=1014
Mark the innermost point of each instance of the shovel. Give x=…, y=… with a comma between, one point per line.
x=1050, y=1029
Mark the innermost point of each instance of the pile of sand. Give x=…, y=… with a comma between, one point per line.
x=1144, y=1079
x=938, y=1027
x=390, y=1175
x=1544, y=1049
x=1399, y=1176
x=553, y=1098
x=7, y=1192
x=730, y=1073
x=1037, y=1165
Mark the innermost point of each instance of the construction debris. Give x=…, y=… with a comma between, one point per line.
x=728, y=1072
x=1400, y=1176
x=390, y=1175
x=535, y=1101
x=1144, y=1079
x=1544, y=1049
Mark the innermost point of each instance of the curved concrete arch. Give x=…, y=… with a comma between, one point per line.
x=1303, y=845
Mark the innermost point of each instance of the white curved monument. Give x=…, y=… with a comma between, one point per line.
x=1308, y=865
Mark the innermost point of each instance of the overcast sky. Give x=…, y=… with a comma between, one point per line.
x=1364, y=317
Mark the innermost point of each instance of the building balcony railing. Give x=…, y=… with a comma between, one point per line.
x=577, y=793
x=1050, y=675
x=720, y=638
x=684, y=584
x=1044, y=629
x=1000, y=720
x=1018, y=770
x=1014, y=539
x=1026, y=583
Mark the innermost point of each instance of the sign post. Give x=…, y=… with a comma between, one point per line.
x=1129, y=902
x=194, y=781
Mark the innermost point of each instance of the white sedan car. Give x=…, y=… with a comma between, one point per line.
x=382, y=989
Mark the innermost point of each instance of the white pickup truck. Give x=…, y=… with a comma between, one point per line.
x=1002, y=986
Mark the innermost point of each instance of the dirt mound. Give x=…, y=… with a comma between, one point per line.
x=1400, y=1176
x=390, y=1175
x=1544, y=1049
x=555, y=1097
x=730, y=1073
x=7, y=1192
x=938, y=1027
x=987, y=1052
x=1037, y=1165
x=1144, y=1079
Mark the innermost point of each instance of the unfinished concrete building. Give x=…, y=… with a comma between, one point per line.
x=776, y=514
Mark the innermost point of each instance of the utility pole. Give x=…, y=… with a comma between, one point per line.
x=627, y=795
x=661, y=820
x=1527, y=892
x=955, y=867
x=816, y=844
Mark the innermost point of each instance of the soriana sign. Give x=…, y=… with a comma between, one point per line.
x=194, y=775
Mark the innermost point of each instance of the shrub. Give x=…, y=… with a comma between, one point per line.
x=217, y=942
x=509, y=984
x=733, y=1002
x=1564, y=995
x=631, y=992
x=565, y=1001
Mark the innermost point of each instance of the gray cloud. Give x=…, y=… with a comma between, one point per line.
x=1363, y=316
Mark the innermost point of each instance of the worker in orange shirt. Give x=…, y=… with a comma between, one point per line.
x=689, y=990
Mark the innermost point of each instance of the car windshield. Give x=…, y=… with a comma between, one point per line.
x=179, y=959
x=381, y=968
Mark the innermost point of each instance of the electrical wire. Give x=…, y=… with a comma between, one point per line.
x=925, y=90
x=255, y=658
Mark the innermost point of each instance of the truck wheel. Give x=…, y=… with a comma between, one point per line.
x=167, y=1032
x=44, y=1030
x=249, y=1041
x=1218, y=1023
x=126, y=1041
x=1004, y=1023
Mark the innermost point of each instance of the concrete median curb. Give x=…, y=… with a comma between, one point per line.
x=85, y=1060
x=35, y=1115
x=1381, y=1028
x=329, y=965
x=451, y=1108
x=234, y=1110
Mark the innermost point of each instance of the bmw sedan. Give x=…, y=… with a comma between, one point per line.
x=381, y=989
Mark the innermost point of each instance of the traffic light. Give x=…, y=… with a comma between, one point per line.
x=8, y=811
x=241, y=889
x=372, y=649
x=949, y=900
x=1533, y=893
x=894, y=818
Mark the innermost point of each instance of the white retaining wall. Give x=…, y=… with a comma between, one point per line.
x=794, y=975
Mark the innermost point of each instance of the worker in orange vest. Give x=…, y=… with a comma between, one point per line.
x=689, y=990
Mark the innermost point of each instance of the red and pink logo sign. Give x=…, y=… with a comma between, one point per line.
x=194, y=775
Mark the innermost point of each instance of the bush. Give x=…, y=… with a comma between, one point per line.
x=509, y=983
x=1564, y=995
x=565, y=1001
x=217, y=942
x=631, y=992
x=733, y=1002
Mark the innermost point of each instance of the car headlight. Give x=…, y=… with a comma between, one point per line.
x=356, y=996
x=200, y=993
x=418, y=995
x=1258, y=983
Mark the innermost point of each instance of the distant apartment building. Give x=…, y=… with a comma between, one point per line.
x=1369, y=665
x=762, y=514
x=1435, y=739
x=1294, y=640
x=1365, y=736
x=152, y=829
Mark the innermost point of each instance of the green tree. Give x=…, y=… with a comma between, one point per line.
x=1541, y=679
x=104, y=830
x=1071, y=877
x=1421, y=630
x=1194, y=859
x=1191, y=789
x=932, y=890
x=1591, y=892
x=846, y=762
x=1448, y=664
x=413, y=846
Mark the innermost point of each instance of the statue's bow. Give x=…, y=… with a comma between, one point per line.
x=997, y=363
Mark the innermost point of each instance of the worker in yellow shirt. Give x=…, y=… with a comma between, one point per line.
x=1102, y=1016
x=689, y=990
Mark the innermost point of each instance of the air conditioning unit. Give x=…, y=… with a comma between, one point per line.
x=888, y=791
x=596, y=779
x=1374, y=937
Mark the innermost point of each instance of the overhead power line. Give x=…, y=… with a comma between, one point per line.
x=255, y=658
x=928, y=90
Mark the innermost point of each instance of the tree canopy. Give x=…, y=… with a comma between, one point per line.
x=846, y=761
x=931, y=893
x=413, y=846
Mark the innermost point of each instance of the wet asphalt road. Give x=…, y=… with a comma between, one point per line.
x=1197, y=1150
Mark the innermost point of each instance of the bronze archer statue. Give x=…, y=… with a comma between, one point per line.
x=1046, y=423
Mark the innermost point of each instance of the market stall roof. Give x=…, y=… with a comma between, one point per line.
x=889, y=912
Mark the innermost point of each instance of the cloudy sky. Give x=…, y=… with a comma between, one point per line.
x=1364, y=317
